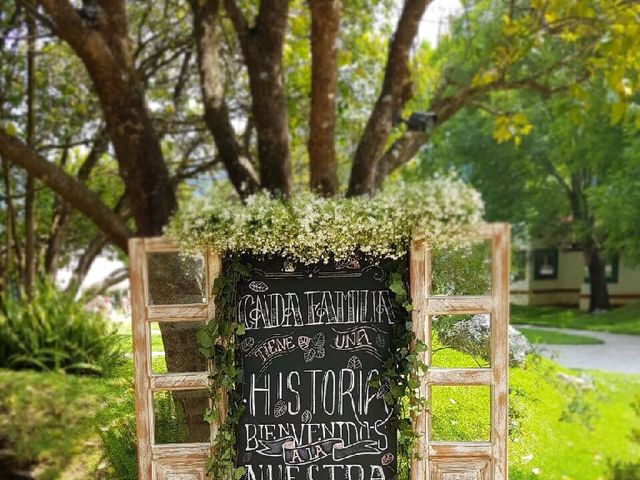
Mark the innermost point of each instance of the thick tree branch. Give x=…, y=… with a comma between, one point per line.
x=399, y=153
x=85, y=261
x=62, y=209
x=325, y=24
x=10, y=228
x=216, y=112
x=70, y=189
x=192, y=171
x=105, y=52
x=407, y=146
x=262, y=47
x=115, y=277
x=237, y=18
x=396, y=90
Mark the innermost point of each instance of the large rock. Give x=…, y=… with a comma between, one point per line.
x=473, y=337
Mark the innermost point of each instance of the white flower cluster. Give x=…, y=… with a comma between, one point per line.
x=311, y=229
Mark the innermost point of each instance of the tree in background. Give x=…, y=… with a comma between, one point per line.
x=556, y=179
x=145, y=85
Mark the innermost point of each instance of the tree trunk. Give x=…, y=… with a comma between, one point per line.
x=182, y=355
x=12, y=263
x=262, y=46
x=599, y=296
x=105, y=50
x=325, y=24
x=30, y=190
x=172, y=281
x=216, y=112
x=396, y=91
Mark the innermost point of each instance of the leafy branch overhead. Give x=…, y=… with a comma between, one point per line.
x=164, y=77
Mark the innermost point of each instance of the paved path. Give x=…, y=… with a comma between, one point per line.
x=618, y=353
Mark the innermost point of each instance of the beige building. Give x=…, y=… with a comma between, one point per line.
x=552, y=276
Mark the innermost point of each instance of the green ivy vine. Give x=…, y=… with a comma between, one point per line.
x=404, y=368
x=217, y=343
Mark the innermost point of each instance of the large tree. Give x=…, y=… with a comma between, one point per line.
x=558, y=180
x=247, y=63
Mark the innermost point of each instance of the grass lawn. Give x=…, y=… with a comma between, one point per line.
x=621, y=320
x=74, y=426
x=55, y=420
x=537, y=335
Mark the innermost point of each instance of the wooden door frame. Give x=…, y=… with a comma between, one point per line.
x=436, y=459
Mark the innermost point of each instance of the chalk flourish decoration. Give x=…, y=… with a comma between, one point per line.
x=293, y=454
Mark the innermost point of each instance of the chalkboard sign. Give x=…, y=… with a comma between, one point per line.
x=315, y=337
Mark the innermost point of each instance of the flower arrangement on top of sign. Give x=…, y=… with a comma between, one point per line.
x=311, y=229
x=311, y=342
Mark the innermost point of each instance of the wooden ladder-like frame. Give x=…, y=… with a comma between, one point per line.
x=171, y=461
x=471, y=460
x=438, y=460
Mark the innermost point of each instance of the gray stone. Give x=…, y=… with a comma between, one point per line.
x=473, y=337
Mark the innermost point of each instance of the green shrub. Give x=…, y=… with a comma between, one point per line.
x=628, y=471
x=625, y=471
x=119, y=443
x=119, y=437
x=53, y=332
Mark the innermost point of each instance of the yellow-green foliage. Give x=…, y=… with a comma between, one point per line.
x=53, y=420
x=557, y=431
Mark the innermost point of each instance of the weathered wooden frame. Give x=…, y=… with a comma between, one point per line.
x=451, y=460
x=436, y=461
x=164, y=462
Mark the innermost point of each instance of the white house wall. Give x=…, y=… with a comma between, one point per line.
x=564, y=290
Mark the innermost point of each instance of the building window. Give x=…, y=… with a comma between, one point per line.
x=611, y=270
x=518, y=266
x=545, y=264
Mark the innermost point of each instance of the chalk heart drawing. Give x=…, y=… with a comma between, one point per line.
x=306, y=416
x=387, y=458
x=354, y=363
x=258, y=286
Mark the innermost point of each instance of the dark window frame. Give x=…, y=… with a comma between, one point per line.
x=540, y=256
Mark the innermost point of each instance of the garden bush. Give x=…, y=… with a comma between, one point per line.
x=52, y=332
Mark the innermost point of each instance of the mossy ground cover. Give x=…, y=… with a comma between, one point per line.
x=72, y=427
x=625, y=319
x=54, y=421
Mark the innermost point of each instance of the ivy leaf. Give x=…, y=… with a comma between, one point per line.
x=210, y=415
x=204, y=340
x=421, y=347
x=397, y=286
